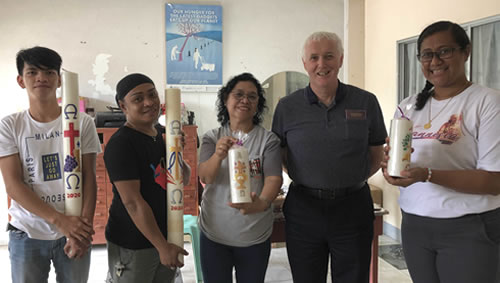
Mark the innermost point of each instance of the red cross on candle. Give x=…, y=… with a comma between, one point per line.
x=72, y=134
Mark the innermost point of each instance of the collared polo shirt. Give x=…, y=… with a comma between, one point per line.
x=328, y=146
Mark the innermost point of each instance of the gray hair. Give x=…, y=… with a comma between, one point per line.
x=319, y=35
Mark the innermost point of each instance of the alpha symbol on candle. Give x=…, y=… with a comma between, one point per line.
x=72, y=134
x=175, y=158
x=70, y=109
x=239, y=174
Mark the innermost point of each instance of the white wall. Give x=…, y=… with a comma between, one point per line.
x=387, y=21
x=122, y=36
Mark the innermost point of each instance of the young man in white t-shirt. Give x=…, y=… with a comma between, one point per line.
x=31, y=146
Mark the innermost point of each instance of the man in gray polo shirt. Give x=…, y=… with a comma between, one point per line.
x=331, y=137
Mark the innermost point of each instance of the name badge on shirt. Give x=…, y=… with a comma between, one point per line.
x=355, y=114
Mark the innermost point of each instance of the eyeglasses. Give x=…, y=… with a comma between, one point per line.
x=443, y=53
x=252, y=97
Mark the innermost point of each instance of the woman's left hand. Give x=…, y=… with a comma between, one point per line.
x=410, y=176
x=257, y=205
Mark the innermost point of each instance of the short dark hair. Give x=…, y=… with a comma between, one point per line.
x=223, y=115
x=460, y=37
x=40, y=57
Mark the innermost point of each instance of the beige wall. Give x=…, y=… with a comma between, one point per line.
x=122, y=36
x=387, y=21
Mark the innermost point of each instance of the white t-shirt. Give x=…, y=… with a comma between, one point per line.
x=465, y=134
x=40, y=147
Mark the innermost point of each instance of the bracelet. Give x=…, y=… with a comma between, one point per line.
x=429, y=174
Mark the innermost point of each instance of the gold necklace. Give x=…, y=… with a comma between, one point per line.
x=428, y=125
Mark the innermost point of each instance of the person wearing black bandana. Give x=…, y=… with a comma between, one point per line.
x=136, y=231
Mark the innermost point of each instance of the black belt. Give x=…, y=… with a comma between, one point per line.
x=329, y=193
x=11, y=228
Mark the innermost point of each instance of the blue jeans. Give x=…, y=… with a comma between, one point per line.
x=30, y=260
x=218, y=260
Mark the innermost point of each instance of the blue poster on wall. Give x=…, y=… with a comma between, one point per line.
x=193, y=44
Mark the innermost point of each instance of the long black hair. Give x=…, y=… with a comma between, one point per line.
x=222, y=96
x=460, y=37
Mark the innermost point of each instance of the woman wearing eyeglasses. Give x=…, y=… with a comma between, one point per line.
x=450, y=197
x=238, y=235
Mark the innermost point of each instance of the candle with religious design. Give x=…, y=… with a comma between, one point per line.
x=175, y=186
x=400, y=146
x=73, y=186
x=239, y=172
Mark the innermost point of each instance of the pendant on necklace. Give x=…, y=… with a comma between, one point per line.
x=427, y=126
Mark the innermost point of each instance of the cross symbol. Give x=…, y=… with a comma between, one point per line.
x=71, y=134
x=176, y=151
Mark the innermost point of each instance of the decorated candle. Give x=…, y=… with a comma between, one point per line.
x=239, y=175
x=175, y=186
x=400, y=146
x=73, y=186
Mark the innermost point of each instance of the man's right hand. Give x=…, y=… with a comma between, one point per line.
x=75, y=227
x=169, y=256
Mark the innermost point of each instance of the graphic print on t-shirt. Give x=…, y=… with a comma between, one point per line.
x=51, y=167
x=255, y=168
x=448, y=133
x=160, y=174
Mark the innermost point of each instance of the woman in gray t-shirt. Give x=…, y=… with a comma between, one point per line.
x=238, y=235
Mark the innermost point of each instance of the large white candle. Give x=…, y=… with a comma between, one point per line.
x=400, y=146
x=239, y=176
x=72, y=156
x=175, y=186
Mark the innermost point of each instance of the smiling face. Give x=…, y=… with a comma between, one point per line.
x=242, y=102
x=322, y=61
x=41, y=84
x=141, y=105
x=444, y=73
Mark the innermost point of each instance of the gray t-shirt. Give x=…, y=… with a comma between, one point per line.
x=222, y=223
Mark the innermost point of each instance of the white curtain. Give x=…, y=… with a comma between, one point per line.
x=486, y=55
x=414, y=80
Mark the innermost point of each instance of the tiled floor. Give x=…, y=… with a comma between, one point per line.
x=278, y=270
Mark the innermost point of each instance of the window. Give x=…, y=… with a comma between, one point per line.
x=483, y=66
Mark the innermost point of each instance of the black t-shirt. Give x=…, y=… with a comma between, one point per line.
x=132, y=155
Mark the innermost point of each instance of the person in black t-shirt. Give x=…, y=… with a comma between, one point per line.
x=135, y=159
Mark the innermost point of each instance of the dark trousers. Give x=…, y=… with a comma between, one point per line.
x=341, y=229
x=218, y=260
x=452, y=250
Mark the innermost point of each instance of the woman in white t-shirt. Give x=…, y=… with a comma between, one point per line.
x=450, y=197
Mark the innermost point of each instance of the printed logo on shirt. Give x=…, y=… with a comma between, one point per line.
x=448, y=133
x=255, y=168
x=51, y=167
x=47, y=136
x=160, y=173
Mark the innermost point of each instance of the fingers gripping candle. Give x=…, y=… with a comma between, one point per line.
x=73, y=186
x=175, y=186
